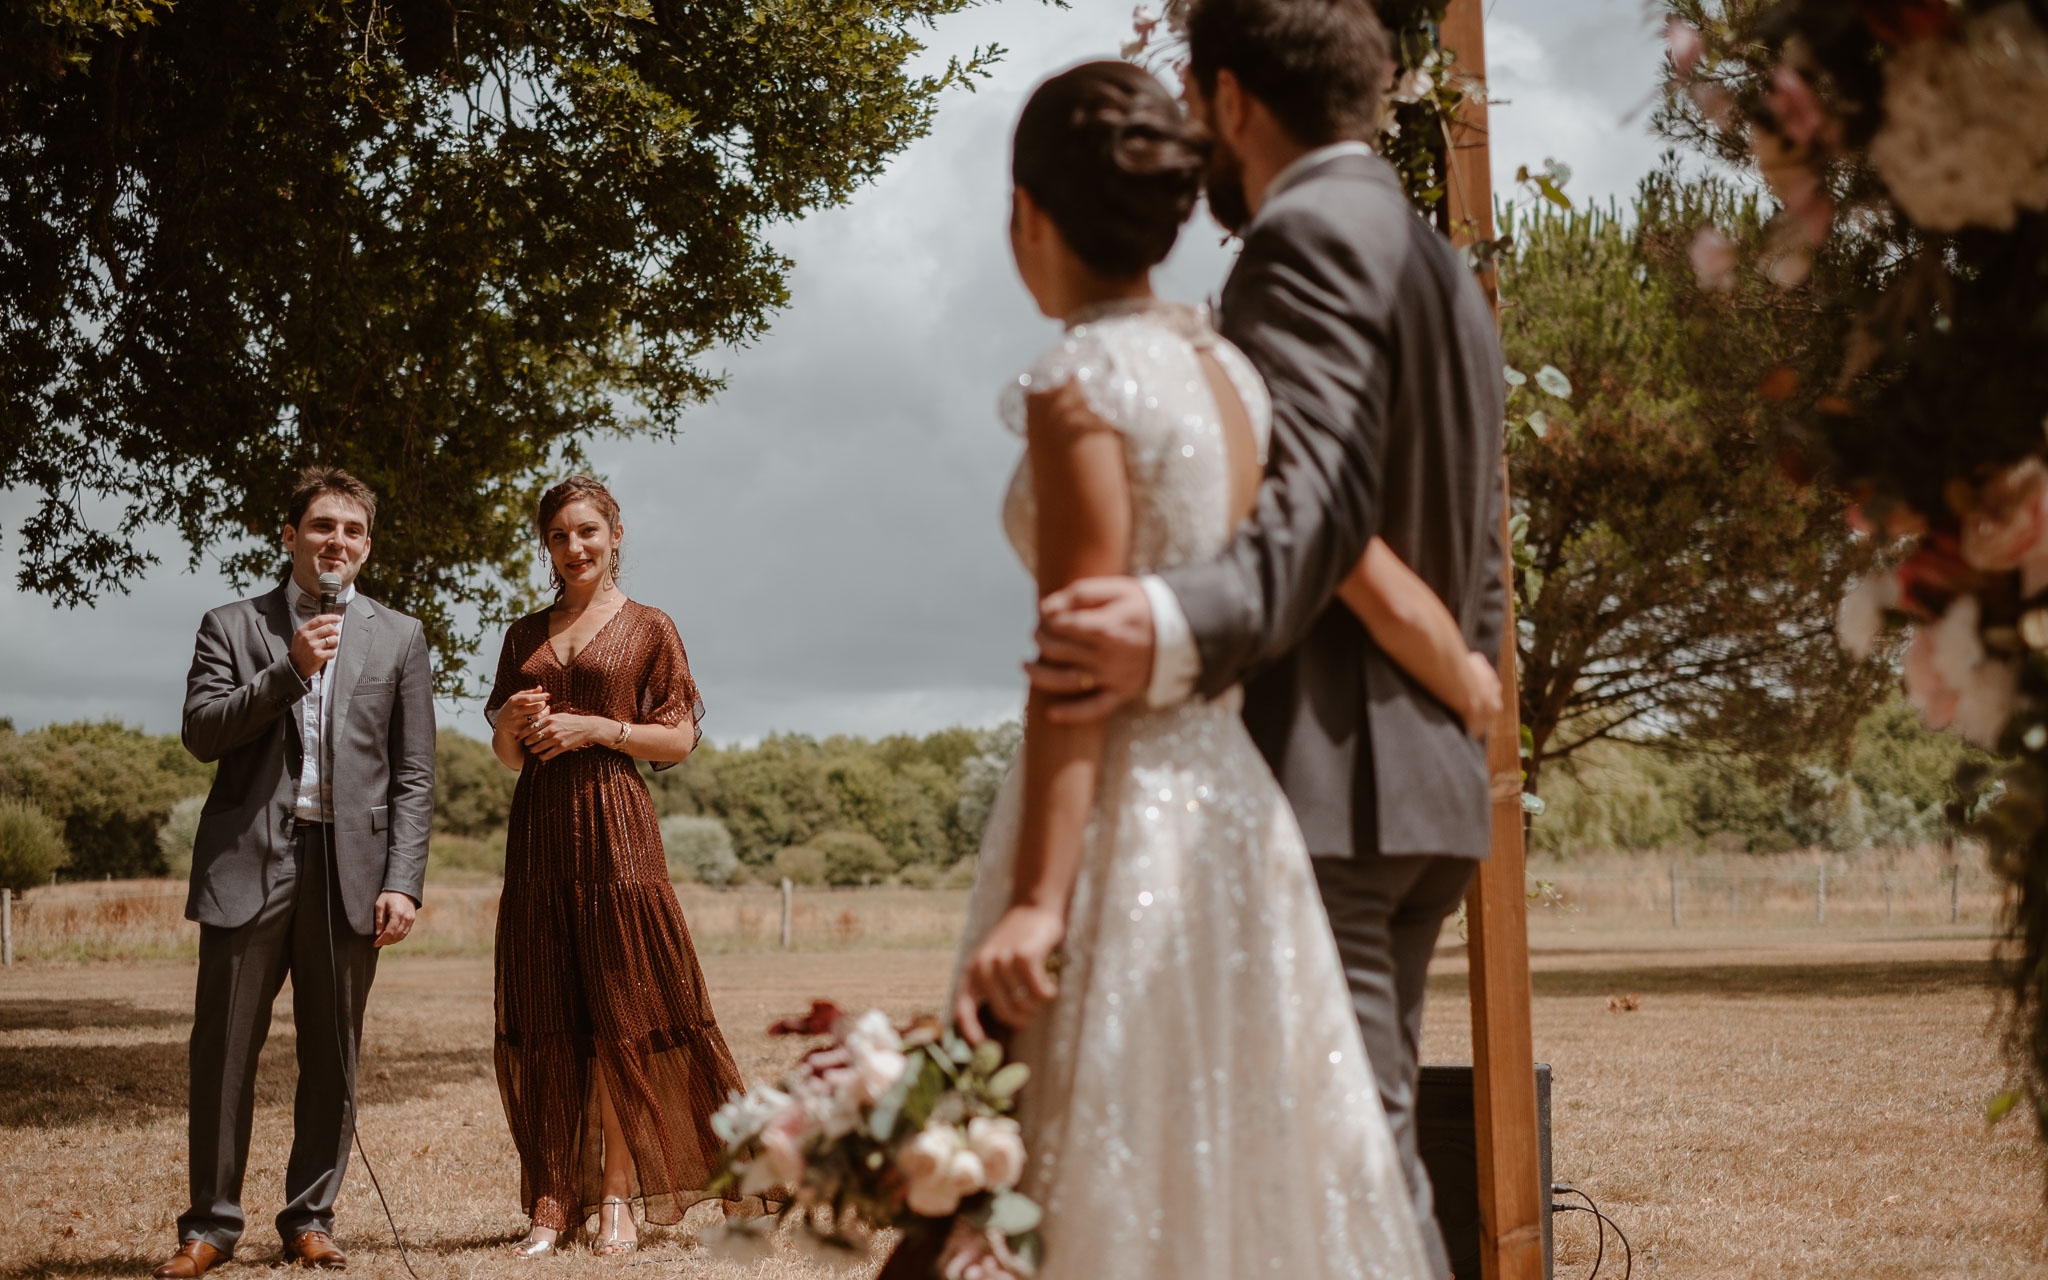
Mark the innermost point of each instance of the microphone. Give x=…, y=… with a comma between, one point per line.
x=330, y=591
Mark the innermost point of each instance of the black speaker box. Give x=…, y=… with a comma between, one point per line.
x=1450, y=1151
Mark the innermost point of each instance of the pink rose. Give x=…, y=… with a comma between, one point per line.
x=1714, y=101
x=1000, y=1144
x=2008, y=530
x=1714, y=260
x=1794, y=106
x=1685, y=45
x=1930, y=695
x=783, y=1144
x=1795, y=183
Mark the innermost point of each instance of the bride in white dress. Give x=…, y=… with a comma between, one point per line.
x=1200, y=1103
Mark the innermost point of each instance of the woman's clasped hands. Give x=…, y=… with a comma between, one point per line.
x=546, y=733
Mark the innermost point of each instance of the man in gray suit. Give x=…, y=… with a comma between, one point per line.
x=1385, y=367
x=323, y=724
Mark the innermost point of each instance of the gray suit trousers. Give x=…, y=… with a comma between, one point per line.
x=301, y=932
x=1386, y=913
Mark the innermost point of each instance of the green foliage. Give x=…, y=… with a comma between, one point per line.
x=31, y=846
x=924, y=799
x=699, y=849
x=439, y=245
x=1677, y=586
x=111, y=788
x=472, y=787
x=1624, y=796
x=458, y=858
x=178, y=835
x=800, y=865
x=852, y=857
x=982, y=777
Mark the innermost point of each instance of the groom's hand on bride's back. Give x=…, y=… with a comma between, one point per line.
x=1095, y=645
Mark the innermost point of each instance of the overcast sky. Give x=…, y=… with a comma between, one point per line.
x=826, y=533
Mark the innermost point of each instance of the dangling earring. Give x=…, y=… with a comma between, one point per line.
x=615, y=566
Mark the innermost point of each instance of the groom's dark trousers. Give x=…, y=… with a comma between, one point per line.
x=277, y=897
x=1385, y=369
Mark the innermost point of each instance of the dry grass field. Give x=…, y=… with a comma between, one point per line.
x=1790, y=1104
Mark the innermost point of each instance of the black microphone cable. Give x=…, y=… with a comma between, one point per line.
x=1601, y=1224
x=330, y=872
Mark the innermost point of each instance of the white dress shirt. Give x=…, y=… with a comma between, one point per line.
x=315, y=802
x=1176, y=663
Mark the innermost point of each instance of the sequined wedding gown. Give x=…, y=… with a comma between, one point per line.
x=1200, y=1103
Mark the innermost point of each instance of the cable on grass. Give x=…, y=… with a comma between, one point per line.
x=1601, y=1225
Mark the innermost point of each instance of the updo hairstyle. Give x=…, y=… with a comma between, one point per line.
x=577, y=488
x=1108, y=154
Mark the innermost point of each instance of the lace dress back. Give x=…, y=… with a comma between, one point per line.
x=1200, y=1101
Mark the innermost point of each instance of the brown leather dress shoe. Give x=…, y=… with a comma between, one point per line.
x=315, y=1249
x=194, y=1258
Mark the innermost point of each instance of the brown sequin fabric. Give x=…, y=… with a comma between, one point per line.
x=596, y=976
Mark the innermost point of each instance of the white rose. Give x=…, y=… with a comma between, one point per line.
x=1956, y=648
x=1973, y=689
x=1861, y=615
x=746, y=1114
x=1000, y=1144
x=1986, y=703
x=877, y=1054
x=923, y=1156
x=832, y=1102
x=940, y=1171
x=965, y=1173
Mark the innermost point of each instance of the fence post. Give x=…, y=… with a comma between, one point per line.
x=1887, y=901
x=1955, y=892
x=1734, y=912
x=1820, y=896
x=788, y=892
x=1674, y=897
x=6, y=926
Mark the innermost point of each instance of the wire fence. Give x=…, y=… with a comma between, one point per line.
x=146, y=920
x=1959, y=894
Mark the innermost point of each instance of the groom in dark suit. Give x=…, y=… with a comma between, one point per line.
x=311, y=854
x=1385, y=368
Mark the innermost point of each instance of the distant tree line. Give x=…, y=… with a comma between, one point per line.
x=1892, y=791
x=86, y=801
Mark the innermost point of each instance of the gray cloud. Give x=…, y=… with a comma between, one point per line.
x=826, y=533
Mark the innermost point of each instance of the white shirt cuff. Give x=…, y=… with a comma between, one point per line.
x=1176, y=663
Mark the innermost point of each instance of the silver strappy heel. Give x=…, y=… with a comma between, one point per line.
x=608, y=1242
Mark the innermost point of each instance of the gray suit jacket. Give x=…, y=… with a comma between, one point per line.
x=239, y=699
x=1386, y=372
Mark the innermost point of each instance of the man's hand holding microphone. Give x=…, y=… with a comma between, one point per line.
x=315, y=644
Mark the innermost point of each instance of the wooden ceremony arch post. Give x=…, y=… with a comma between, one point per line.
x=1512, y=1199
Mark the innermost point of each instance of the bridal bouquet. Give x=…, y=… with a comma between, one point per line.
x=891, y=1127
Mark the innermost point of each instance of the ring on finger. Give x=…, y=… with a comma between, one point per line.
x=1087, y=682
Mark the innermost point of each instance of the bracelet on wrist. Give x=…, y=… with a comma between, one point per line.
x=625, y=732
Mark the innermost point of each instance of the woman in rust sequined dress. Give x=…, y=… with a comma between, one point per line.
x=609, y=1060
